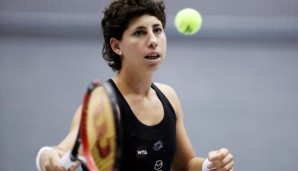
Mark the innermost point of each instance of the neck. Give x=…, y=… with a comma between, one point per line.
x=138, y=84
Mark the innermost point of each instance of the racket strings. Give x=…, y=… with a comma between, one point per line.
x=100, y=131
x=104, y=157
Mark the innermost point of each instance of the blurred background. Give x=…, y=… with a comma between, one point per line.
x=237, y=78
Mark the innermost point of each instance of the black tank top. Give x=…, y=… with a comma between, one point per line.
x=147, y=148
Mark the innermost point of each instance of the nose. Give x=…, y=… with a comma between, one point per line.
x=152, y=42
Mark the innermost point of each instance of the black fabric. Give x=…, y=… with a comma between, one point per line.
x=147, y=148
x=84, y=168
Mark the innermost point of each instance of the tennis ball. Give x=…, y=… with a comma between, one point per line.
x=188, y=21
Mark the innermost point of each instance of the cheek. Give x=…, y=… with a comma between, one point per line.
x=131, y=47
x=164, y=45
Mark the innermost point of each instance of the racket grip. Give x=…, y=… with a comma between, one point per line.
x=66, y=160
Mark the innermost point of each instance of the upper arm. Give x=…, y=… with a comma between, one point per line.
x=184, y=151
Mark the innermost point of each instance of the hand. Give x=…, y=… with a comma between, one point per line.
x=221, y=160
x=50, y=161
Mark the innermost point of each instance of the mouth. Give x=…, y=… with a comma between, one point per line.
x=152, y=56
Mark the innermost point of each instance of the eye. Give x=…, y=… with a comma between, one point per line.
x=157, y=30
x=139, y=33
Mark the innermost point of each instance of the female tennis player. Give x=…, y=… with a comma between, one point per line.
x=154, y=136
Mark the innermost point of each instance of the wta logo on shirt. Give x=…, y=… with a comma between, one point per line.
x=141, y=152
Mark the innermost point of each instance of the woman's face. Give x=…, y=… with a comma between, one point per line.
x=143, y=44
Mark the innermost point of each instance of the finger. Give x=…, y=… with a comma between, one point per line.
x=224, y=165
x=215, y=156
x=75, y=166
x=56, y=163
x=228, y=167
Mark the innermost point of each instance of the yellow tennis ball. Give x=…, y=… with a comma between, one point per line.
x=188, y=21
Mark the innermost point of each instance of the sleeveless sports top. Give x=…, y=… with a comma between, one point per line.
x=147, y=148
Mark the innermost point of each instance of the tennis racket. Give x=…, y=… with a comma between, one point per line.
x=99, y=132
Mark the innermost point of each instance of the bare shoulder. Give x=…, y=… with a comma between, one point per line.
x=167, y=90
x=171, y=95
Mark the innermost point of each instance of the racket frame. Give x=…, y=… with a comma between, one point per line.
x=82, y=139
x=89, y=162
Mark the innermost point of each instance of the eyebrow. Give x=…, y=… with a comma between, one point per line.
x=157, y=25
x=143, y=27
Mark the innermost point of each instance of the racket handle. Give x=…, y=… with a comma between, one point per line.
x=66, y=160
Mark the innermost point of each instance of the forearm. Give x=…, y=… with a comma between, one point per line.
x=195, y=164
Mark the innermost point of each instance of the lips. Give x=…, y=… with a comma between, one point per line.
x=152, y=56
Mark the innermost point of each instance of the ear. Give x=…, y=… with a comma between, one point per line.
x=115, y=46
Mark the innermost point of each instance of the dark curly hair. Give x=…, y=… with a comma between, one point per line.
x=116, y=19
